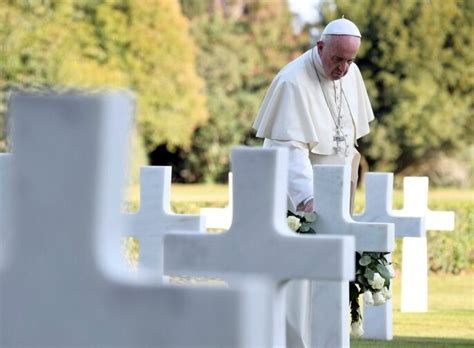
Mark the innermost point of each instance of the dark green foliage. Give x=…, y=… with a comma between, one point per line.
x=453, y=252
x=238, y=58
x=416, y=58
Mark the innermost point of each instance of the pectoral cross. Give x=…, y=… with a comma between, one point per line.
x=340, y=138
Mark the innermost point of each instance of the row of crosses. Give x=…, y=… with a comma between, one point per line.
x=64, y=282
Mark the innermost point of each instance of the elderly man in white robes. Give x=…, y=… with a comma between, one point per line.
x=317, y=107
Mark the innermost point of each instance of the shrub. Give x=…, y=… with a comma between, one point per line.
x=453, y=252
x=448, y=251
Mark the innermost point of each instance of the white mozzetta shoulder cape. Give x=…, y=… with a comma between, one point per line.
x=295, y=109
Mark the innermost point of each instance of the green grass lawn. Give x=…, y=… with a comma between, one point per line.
x=449, y=321
x=217, y=194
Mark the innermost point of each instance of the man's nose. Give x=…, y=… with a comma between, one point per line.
x=343, y=66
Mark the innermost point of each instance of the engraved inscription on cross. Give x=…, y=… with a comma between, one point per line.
x=63, y=284
x=332, y=198
x=378, y=208
x=414, y=282
x=155, y=218
x=259, y=241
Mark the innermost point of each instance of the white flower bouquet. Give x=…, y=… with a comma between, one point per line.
x=373, y=278
x=301, y=222
x=373, y=273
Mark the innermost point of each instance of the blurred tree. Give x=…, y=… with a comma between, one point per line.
x=417, y=61
x=193, y=8
x=229, y=9
x=142, y=45
x=241, y=47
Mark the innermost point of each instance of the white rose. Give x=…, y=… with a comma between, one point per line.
x=293, y=223
x=379, y=298
x=378, y=282
x=356, y=329
x=368, y=299
x=391, y=271
x=387, y=293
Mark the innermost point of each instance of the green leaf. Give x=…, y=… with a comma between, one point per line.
x=369, y=274
x=365, y=260
x=383, y=271
x=290, y=213
x=310, y=217
x=304, y=228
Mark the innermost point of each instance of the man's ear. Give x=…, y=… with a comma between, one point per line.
x=320, y=46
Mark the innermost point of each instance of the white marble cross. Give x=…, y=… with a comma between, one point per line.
x=62, y=282
x=219, y=218
x=414, y=282
x=378, y=208
x=332, y=199
x=155, y=218
x=259, y=241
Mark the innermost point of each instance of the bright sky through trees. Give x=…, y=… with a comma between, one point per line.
x=306, y=9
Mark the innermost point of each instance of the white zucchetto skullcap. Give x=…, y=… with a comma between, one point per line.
x=341, y=26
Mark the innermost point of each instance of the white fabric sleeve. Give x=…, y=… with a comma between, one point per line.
x=300, y=172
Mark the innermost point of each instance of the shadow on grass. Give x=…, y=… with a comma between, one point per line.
x=415, y=342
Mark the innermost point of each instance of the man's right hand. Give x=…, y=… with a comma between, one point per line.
x=307, y=208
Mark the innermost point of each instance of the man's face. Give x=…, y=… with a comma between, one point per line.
x=337, y=54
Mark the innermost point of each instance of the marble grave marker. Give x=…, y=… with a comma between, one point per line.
x=378, y=208
x=259, y=241
x=414, y=282
x=62, y=282
x=330, y=320
x=155, y=218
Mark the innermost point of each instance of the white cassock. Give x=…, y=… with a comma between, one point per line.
x=296, y=113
